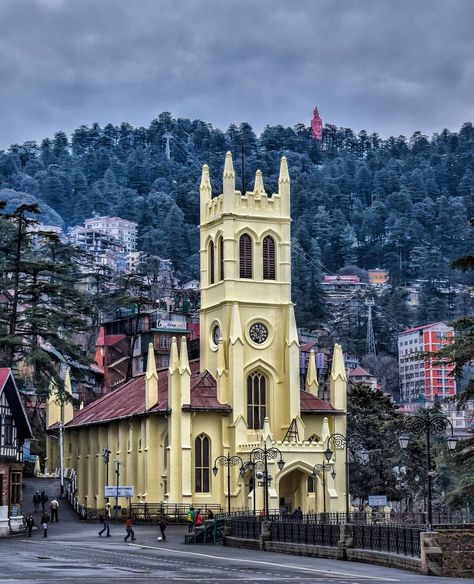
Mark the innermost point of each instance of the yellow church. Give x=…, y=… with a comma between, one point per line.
x=168, y=427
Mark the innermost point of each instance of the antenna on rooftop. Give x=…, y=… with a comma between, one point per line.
x=242, y=157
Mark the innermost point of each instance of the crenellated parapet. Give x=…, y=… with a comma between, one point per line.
x=255, y=204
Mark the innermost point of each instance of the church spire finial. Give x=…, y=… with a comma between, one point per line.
x=228, y=176
x=259, y=189
x=311, y=384
x=284, y=177
x=205, y=180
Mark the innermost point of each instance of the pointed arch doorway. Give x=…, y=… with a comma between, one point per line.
x=293, y=490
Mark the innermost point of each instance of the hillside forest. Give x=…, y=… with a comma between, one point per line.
x=358, y=202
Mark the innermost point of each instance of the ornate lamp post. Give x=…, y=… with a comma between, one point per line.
x=106, y=456
x=338, y=440
x=428, y=423
x=323, y=469
x=227, y=461
x=263, y=455
x=253, y=466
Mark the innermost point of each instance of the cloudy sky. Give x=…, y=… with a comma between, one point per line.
x=390, y=66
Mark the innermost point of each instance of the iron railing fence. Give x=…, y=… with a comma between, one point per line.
x=360, y=517
x=245, y=528
x=397, y=539
x=325, y=534
x=173, y=512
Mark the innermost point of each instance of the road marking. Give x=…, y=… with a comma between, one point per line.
x=273, y=564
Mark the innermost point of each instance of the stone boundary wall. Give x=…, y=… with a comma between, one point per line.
x=332, y=553
x=448, y=551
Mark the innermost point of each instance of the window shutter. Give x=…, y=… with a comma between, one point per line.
x=269, y=266
x=211, y=263
x=245, y=256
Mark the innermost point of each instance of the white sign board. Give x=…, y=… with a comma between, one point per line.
x=111, y=491
x=377, y=500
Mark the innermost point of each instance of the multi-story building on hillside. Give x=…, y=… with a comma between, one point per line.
x=110, y=241
x=421, y=377
x=116, y=228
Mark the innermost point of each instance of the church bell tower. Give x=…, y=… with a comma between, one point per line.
x=249, y=340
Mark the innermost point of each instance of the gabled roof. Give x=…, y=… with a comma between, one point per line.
x=423, y=327
x=8, y=386
x=360, y=372
x=129, y=399
x=310, y=404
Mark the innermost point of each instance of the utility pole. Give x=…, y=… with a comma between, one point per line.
x=167, y=136
x=370, y=339
x=61, y=448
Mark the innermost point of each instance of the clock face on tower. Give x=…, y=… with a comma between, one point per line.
x=216, y=334
x=258, y=332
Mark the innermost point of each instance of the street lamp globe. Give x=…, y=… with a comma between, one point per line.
x=328, y=454
x=214, y=471
x=363, y=455
x=452, y=442
x=333, y=474
x=281, y=464
x=403, y=441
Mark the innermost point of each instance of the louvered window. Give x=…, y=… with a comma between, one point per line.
x=269, y=271
x=256, y=400
x=245, y=256
x=202, y=456
x=211, y=263
x=221, y=258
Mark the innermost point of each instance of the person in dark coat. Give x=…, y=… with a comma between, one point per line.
x=163, y=524
x=43, y=499
x=30, y=523
x=44, y=523
x=37, y=501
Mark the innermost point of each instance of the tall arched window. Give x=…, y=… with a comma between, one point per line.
x=245, y=254
x=211, y=263
x=201, y=464
x=256, y=400
x=269, y=269
x=221, y=258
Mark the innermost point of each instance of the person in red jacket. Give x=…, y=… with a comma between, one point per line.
x=129, y=528
x=198, y=519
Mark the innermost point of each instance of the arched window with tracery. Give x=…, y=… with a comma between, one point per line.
x=256, y=400
x=269, y=267
x=211, y=263
x=202, y=455
x=245, y=256
x=221, y=258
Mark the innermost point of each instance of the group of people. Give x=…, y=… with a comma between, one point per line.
x=46, y=518
x=195, y=518
x=105, y=518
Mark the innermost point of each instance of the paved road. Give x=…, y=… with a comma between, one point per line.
x=74, y=553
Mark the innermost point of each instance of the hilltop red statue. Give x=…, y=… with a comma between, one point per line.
x=316, y=125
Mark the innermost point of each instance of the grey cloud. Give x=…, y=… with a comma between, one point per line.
x=390, y=67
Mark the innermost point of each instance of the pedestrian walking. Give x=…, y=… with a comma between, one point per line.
x=163, y=525
x=190, y=518
x=37, y=501
x=43, y=499
x=44, y=523
x=198, y=519
x=54, y=508
x=30, y=523
x=106, y=520
x=129, y=529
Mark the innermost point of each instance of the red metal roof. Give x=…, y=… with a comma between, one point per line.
x=129, y=399
x=310, y=404
x=360, y=372
x=308, y=346
x=4, y=375
x=421, y=327
x=111, y=340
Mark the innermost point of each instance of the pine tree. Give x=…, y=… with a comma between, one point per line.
x=44, y=310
